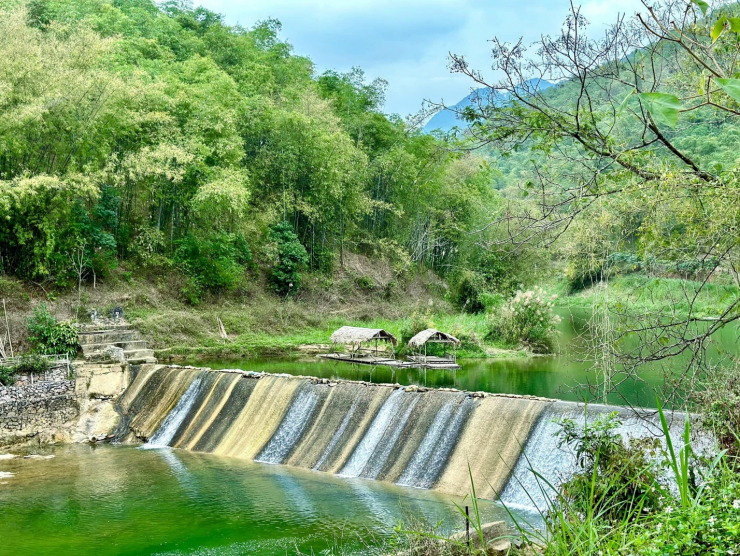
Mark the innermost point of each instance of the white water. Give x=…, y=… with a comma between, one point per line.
x=338, y=434
x=431, y=456
x=542, y=455
x=376, y=463
x=364, y=450
x=290, y=429
x=167, y=430
x=427, y=446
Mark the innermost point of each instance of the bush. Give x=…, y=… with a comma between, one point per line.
x=528, y=319
x=468, y=292
x=214, y=262
x=49, y=337
x=417, y=323
x=613, y=477
x=31, y=364
x=7, y=375
x=289, y=258
x=709, y=527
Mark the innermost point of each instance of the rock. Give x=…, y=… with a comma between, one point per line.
x=501, y=547
x=38, y=456
x=7, y=456
x=493, y=537
x=411, y=388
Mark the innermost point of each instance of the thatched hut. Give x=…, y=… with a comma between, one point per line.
x=362, y=340
x=418, y=345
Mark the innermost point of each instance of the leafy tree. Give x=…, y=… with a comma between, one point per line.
x=290, y=258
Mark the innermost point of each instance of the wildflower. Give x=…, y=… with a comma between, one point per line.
x=669, y=509
x=736, y=504
x=711, y=521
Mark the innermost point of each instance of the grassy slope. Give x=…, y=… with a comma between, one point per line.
x=637, y=292
x=258, y=322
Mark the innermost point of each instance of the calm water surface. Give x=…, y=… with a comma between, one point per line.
x=120, y=500
x=560, y=376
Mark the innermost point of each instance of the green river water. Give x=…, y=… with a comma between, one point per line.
x=560, y=376
x=121, y=500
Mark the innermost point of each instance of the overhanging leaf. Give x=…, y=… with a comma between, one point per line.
x=703, y=6
x=731, y=87
x=662, y=107
x=734, y=24
x=718, y=28
x=624, y=102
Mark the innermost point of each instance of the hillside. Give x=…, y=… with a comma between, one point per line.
x=449, y=118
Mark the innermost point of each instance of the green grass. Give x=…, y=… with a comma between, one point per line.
x=186, y=333
x=638, y=292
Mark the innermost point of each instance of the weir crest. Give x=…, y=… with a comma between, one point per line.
x=414, y=437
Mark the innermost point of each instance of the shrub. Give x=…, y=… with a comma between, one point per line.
x=613, y=477
x=289, y=258
x=214, y=262
x=528, y=319
x=468, y=292
x=417, y=323
x=31, y=364
x=7, y=375
x=49, y=337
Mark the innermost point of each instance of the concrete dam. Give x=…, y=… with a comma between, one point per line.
x=411, y=436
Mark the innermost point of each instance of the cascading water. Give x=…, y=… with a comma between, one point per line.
x=338, y=434
x=431, y=439
x=432, y=454
x=372, y=438
x=380, y=456
x=290, y=429
x=167, y=430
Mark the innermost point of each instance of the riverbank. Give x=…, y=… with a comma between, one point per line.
x=256, y=322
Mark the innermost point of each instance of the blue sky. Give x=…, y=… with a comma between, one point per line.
x=407, y=41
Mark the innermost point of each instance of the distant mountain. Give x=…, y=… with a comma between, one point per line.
x=447, y=119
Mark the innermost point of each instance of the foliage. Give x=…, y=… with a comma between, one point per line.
x=7, y=375
x=49, y=337
x=289, y=258
x=136, y=130
x=527, y=318
x=31, y=364
x=215, y=261
x=613, y=477
x=416, y=323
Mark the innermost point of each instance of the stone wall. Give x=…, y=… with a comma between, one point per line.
x=59, y=410
x=42, y=413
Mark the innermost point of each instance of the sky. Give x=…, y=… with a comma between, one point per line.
x=407, y=42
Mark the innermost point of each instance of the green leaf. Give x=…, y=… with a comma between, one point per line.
x=731, y=87
x=663, y=107
x=734, y=24
x=703, y=6
x=624, y=101
x=718, y=28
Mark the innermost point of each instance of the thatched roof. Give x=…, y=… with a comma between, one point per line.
x=432, y=335
x=354, y=335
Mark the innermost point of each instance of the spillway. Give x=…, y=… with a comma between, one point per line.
x=411, y=436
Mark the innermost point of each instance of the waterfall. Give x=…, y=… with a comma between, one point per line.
x=431, y=439
x=373, y=436
x=167, y=430
x=338, y=434
x=432, y=454
x=542, y=455
x=383, y=451
x=290, y=429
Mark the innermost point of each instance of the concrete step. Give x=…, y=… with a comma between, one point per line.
x=108, y=336
x=99, y=348
x=136, y=354
x=142, y=360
